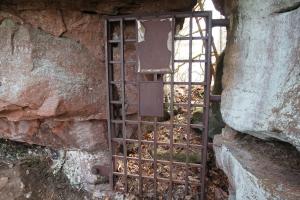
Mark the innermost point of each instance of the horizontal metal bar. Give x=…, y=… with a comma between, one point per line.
x=185, y=104
x=159, y=161
x=220, y=22
x=114, y=62
x=118, y=41
x=197, y=183
x=215, y=98
x=130, y=40
x=116, y=19
x=119, y=140
x=159, y=15
x=114, y=41
x=119, y=62
x=187, y=61
x=185, y=83
x=158, y=123
x=188, y=38
x=115, y=102
x=126, y=82
x=165, y=82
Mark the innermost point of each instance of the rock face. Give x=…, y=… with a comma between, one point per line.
x=86, y=135
x=52, y=71
x=104, y=7
x=257, y=170
x=40, y=80
x=48, y=83
x=261, y=79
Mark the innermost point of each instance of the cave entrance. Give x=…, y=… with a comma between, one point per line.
x=158, y=103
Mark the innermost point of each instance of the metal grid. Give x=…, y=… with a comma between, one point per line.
x=120, y=104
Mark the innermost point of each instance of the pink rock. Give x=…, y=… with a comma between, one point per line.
x=44, y=76
x=48, y=20
x=85, y=135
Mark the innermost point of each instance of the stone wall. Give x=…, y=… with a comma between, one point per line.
x=52, y=72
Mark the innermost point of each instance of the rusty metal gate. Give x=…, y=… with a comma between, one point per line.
x=158, y=150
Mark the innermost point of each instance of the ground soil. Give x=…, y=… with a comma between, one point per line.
x=27, y=174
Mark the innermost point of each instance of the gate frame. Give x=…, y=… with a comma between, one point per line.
x=207, y=82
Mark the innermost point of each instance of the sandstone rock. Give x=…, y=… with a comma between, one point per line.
x=49, y=20
x=77, y=166
x=261, y=79
x=257, y=170
x=3, y=182
x=106, y=7
x=228, y=133
x=85, y=135
x=5, y=15
x=86, y=29
x=11, y=185
x=27, y=172
x=43, y=76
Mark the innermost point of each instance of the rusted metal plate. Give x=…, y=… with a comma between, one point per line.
x=154, y=46
x=151, y=98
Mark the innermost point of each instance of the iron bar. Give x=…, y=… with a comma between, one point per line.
x=220, y=22
x=172, y=112
x=188, y=38
x=139, y=124
x=160, y=15
x=213, y=98
x=109, y=95
x=187, y=61
x=123, y=102
x=155, y=151
x=119, y=62
x=158, y=123
x=198, y=183
x=206, y=102
x=189, y=105
x=159, y=161
x=119, y=140
x=165, y=82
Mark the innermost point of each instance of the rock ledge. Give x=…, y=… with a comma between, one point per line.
x=257, y=170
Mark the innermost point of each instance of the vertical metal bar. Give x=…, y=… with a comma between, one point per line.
x=108, y=99
x=139, y=120
x=155, y=150
x=189, y=104
x=172, y=112
x=206, y=104
x=123, y=102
